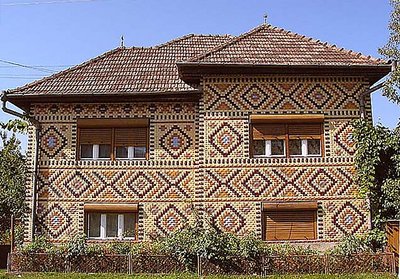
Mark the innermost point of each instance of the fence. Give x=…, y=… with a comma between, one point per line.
x=392, y=233
x=158, y=264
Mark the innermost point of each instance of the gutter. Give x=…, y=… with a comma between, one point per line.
x=36, y=124
x=371, y=90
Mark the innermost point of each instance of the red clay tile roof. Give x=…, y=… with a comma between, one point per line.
x=127, y=70
x=154, y=69
x=269, y=45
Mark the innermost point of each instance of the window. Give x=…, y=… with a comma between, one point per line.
x=286, y=140
x=110, y=221
x=111, y=225
x=111, y=139
x=290, y=221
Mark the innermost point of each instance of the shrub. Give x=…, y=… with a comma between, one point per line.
x=352, y=244
x=39, y=245
x=118, y=247
x=76, y=246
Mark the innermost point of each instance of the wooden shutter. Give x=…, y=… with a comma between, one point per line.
x=135, y=136
x=268, y=131
x=311, y=129
x=95, y=136
x=290, y=225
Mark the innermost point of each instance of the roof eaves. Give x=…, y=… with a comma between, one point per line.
x=328, y=45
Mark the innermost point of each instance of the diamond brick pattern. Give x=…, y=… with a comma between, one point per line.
x=55, y=221
x=278, y=95
x=170, y=219
x=52, y=141
x=176, y=141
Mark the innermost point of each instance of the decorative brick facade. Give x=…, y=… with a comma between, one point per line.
x=200, y=163
x=212, y=170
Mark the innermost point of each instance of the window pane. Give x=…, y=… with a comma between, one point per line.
x=94, y=224
x=112, y=225
x=121, y=152
x=104, y=150
x=140, y=152
x=86, y=151
x=259, y=147
x=295, y=147
x=277, y=147
x=129, y=225
x=314, y=147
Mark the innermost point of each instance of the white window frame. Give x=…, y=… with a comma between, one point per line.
x=103, y=227
x=131, y=153
x=95, y=151
x=304, y=149
x=268, y=149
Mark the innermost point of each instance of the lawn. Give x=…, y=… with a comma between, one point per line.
x=3, y=275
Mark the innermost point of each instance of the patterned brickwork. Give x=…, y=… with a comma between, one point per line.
x=200, y=163
x=161, y=219
x=345, y=218
x=342, y=142
x=59, y=220
x=56, y=142
x=70, y=112
x=175, y=141
x=111, y=185
x=235, y=217
x=279, y=182
x=224, y=138
x=282, y=94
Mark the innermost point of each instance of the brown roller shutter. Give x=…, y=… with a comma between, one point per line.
x=305, y=129
x=131, y=137
x=95, y=136
x=290, y=225
x=268, y=131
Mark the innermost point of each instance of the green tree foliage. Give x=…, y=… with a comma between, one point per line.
x=378, y=169
x=391, y=51
x=12, y=175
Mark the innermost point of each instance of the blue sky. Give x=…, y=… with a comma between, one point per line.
x=57, y=35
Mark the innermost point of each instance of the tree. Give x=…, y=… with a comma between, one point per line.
x=12, y=174
x=391, y=51
x=378, y=169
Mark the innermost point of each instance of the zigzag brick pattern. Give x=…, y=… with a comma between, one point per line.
x=200, y=164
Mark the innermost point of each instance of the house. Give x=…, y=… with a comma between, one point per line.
x=251, y=134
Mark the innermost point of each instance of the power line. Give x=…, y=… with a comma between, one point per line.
x=28, y=67
x=46, y=2
x=39, y=66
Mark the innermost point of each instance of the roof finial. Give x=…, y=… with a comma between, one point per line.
x=122, y=41
x=265, y=18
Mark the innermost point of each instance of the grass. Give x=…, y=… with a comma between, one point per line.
x=3, y=275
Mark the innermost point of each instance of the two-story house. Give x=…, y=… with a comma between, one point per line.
x=251, y=134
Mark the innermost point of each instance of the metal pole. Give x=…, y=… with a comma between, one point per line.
x=8, y=262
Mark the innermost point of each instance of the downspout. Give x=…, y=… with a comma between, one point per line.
x=371, y=90
x=36, y=124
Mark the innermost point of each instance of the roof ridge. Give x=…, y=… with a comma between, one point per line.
x=327, y=44
x=173, y=41
x=224, y=45
x=65, y=71
x=288, y=32
x=179, y=39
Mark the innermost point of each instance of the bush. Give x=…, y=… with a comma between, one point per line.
x=39, y=245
